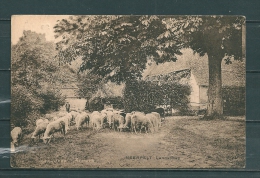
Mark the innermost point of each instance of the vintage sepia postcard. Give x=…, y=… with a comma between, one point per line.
x=125, y=91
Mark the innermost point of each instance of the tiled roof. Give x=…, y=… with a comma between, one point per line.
x=175, y=76
x=232, y=74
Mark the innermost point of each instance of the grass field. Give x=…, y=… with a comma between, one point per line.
x=181, y=142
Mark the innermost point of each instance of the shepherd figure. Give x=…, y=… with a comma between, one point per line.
x=67, y=106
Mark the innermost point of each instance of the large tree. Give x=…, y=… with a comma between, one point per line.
x=117, y=48
x=218, y=37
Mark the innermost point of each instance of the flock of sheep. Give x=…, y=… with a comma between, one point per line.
x=114, y=119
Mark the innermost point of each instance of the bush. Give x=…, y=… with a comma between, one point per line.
x=23, y=103
x=234, y=101
x=27, y=106
x=145, y=96
x=52, y=100
x=96, y=104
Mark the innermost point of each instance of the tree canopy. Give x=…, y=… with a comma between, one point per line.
x=221, y=35
x=117, y=48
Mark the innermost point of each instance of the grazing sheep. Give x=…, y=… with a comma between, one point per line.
x=104, y=111
x=39, y=121
x=56, y=126
x=158, y=117
x=51, y=117
x=54, y=118
x=67, y=119
x=127, y=124
x=154, y=121
x=118, y=121
x=110, y=119
x=61, y=114
x=95, y=112
x=97, y=120
x=16, y=136
x=140, y=121
x=81, y=119
x=74, y=115
x=40, y=129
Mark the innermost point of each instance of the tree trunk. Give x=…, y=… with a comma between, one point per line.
x=215, y=103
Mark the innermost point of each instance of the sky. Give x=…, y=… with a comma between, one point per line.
x=37, y=23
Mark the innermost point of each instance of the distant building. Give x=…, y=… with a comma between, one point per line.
x=194, y=72
x=70, y=90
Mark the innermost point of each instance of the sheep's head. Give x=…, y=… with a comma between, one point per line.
x=46, y=139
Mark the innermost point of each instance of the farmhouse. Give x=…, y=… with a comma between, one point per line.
x=233, y=91
x=70, y=90
x=194, y=72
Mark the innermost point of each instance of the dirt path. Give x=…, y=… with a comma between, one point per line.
x=182, y=142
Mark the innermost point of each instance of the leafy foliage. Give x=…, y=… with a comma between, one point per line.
x=88, y=84
x=23, y=103
x=234, y=101
x=217, y=35
x=145, y=96
x=35, y=78
x=96, y=104
x=115, y=48
x=52, y=100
